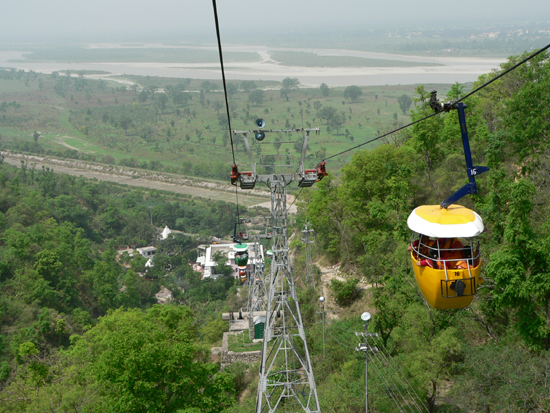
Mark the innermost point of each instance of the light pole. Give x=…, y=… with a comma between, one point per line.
x=365, y=347
x=322, y=301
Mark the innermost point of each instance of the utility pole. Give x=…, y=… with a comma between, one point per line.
x=306, y=239
x=322, y=301
x=366, y=348
x=286, y=376
x=151, y=213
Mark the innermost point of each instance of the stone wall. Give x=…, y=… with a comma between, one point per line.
x=248, y=357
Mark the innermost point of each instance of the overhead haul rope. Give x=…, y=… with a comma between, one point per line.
x=226, y=99
x=396, y=388
x=437, y=113
x=223, y=77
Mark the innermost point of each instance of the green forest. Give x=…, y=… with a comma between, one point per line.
x=80, y=327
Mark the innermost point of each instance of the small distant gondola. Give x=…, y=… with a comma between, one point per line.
x=241, y=254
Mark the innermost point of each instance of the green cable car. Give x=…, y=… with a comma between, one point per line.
x=241, y=254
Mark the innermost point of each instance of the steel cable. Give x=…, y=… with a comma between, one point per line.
x=437, y=113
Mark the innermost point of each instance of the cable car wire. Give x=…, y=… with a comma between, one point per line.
x=382, y=374
x=390, y=361
x=381, y=136
x=294, y=200
x=223, y=77
x=386, y=363
x=437, y=113
x=504, y=73
x=226, y=98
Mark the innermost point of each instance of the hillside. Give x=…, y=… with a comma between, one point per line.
x=81, y=330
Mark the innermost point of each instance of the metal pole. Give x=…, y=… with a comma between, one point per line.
x=366, y=370
x=323, y=332
x=365, y=347
x=322, y=301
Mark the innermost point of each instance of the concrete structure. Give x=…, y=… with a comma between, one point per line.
x=147, y=252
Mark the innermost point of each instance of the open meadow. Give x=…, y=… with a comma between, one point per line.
x=180, y=125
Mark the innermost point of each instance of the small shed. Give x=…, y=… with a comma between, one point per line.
x=147, y=252
x=259, y=325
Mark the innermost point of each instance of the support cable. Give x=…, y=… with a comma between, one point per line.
x=394, y=382
x=437, y=113
x=295, y=198
x=504, y=73
x=387, y=362
x=381, y=136
x=338, y=341
x=226, y=98
x=223, y=78
x=390, y=362
x=389, y=389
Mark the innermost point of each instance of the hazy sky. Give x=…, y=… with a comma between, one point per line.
x=125, y=20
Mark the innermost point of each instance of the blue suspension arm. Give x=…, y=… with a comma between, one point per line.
x=470, y=187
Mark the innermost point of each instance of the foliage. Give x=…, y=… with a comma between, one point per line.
x=345, y=292
x=352, y=93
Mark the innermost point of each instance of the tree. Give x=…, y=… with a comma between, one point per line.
x=256, y=97
x=150, y=359
x=290, y=83
x=248, y=85
x=142, y=96
x=324, y=89
x=125, y=122
x=345, y=292
x=337, y=121
x=352, y=93
x=327, y=113
x=518, y=269
x=181, y=98
x=207, y=86
x=218, y=105
x=231, y=89
x=162, y=100
x=405, y=103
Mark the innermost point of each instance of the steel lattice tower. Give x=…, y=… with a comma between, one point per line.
x=256, y=282
x=286, y=380
x=307, y=232
x=285, y=371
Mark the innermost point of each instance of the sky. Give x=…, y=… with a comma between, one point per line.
x=154, y=20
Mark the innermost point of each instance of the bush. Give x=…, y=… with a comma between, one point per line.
x=345, y=292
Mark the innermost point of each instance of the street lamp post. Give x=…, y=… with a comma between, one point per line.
x=322, y=301
x=366, y=348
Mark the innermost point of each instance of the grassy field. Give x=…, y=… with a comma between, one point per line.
x=171, y=125
x=241, y=342
x=314, y=60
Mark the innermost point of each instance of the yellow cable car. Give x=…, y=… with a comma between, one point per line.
x=445, y=254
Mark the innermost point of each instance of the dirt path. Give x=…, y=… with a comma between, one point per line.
x=144, y=179
x=327, y=275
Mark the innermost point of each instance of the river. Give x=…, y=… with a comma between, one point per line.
x=450, y=69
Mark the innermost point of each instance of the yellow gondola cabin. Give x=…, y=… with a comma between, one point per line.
x=445, y=254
